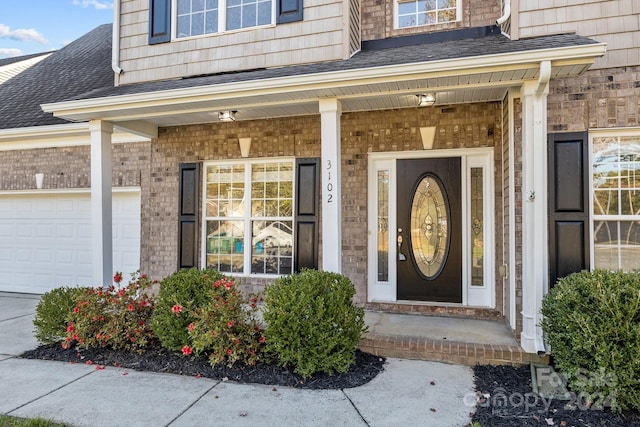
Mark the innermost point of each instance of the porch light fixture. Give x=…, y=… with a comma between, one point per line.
x=227, y=116
x=426, y=99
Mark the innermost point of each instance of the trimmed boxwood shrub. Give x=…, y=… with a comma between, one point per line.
x=50, y=322
x=312, y=324
x=180, y=295
x=592, y=323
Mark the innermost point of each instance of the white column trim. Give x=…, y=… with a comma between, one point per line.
x=330, y=111
x=535, y=249
x=101, y=202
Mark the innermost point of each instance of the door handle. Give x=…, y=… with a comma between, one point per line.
x=401, y=256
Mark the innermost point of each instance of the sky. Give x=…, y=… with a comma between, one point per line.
x=33, y=26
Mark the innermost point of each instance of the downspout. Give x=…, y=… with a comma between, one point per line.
x=506, y=13
x=115, y=42
x=542, y=89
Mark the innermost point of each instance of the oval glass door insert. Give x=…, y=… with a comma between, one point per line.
x=429, y=227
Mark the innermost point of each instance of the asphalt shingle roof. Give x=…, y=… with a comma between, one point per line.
x=425, y=52
x=14, y=59
x=77, y=68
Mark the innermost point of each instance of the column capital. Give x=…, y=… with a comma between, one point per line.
x=100, y=126
x=330, y=105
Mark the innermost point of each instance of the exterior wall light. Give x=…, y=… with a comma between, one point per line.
x=426, y=99
x=227, y=116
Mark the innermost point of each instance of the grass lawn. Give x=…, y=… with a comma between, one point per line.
x=7, y=421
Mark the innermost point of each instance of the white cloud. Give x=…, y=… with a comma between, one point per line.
x=22, y=34
x=98, y=4
x=9, y=52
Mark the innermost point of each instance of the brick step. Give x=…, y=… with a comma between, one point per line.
x=463, y=353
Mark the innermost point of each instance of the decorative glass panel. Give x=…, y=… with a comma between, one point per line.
x=383, y=225
x=477, y=227
x=429, y=227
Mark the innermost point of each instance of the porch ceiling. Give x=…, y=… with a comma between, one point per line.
x=267, y=94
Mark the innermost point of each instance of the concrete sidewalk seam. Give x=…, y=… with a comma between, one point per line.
x=50, y=392
x=355, y=407
x=193, y=404
x=17, y=317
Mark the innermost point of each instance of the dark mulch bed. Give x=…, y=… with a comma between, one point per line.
x=506, y=398
x=157, y=359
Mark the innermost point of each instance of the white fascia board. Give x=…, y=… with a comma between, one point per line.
x=65, y=135
x=506, y=61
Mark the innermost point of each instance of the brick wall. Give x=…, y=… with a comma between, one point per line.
x=463, y=126
x=378, y=18
x=599, y=99
x=69, y=167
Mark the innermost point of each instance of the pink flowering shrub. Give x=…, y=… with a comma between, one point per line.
x=181, y=294
x=226, y=329
x=118, y=317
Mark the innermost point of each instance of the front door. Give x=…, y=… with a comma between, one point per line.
x=429, y=235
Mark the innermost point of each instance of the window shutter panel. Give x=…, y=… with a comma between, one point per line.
x=288, y=11
x=159, y=21
x=306, y=219
x=189, y=178
x=569, y=244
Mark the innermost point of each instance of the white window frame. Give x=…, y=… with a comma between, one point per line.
x=396, y=12
x=604, y=133
x=247, y=217
x=222, y=21
x=473, y=296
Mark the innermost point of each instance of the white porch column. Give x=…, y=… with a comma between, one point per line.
x=535, y=247
x=101, y=213
x=330, y=111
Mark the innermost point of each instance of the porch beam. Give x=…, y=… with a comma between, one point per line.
x=101, y=202
x=330, y=112
x=535, y=247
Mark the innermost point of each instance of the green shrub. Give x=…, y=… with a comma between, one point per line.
x=312, y=324
x=117, y=317
x=226, y=328
x=52, y=311
x=180, y=295
x=592, y=323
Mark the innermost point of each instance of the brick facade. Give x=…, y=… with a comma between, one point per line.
x=69, y=167
x=460, y=126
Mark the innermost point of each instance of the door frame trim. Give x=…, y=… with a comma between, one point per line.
x=476, y=296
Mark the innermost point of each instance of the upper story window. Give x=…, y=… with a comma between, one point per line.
x=426, y=12
x=197, y=17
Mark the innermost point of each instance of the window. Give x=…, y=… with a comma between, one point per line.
x=197, y=17
x=426, y=12
x=249, y=217
x=616, y=201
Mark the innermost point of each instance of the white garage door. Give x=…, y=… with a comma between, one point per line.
x=45, y=239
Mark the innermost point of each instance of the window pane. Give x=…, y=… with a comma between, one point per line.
x=264, y=13
x=249, y=15
x=225, y=191
x=184, y=6
x=211, y=22
x=197, y=5
x=630, y=202
x=225, y=245
x=233, y=18
x=605, y=202
x=272, y=244
x=407, y=8
x=477, y=227
x=184, y=26
x=383, y=225
x=197, y=24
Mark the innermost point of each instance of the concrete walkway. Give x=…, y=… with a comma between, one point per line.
x=408, y=392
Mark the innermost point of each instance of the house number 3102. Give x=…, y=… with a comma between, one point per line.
x=329, y=182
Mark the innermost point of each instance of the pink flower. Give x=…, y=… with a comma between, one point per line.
x=144, y=276
x=261, y=339
x=228, y=285
x=130, y=307
x=70, y=327
x=89, y=362
x=176, y=309
x=186, y=350
x=230, y=323
x=76, y=310
x=191, y=327
x=143, y=303
x=229, y=351
x=117, y=277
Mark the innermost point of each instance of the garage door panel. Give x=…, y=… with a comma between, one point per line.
x=46, y=240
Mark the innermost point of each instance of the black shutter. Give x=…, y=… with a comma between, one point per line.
x=288, y=11
x=568, y=204
x=159, y=21
x=189, y=179
x=306, y=220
